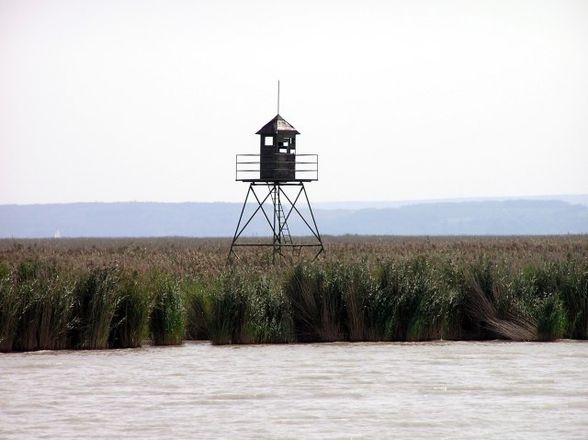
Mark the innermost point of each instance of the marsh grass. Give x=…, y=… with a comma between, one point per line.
x=40, y=300
x=555, y=295
x=359, y=295
x=302, y=288
x=514, y=289
x=490, y=311
x=268, y=314
x=406, y=288
x=197, y=303
x=244, y=310
x=167, y=317
x=96, y=300
x=573, y=294
x=316, y=295
x=418, y=299
x=129, y=322
x=227, y=311
x=10, y=305
x=551, y=321
x=424, y=299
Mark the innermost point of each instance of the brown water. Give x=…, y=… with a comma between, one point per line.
x=426, y=390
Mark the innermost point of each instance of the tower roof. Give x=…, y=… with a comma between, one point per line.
x=277, y=125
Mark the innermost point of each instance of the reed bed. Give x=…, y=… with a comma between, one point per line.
x=97, y=294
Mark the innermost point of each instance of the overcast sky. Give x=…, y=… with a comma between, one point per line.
x=150, y=100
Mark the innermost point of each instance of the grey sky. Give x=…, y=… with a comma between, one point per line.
x=150, y=100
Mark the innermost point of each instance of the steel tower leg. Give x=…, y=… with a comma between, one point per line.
x=235, y=236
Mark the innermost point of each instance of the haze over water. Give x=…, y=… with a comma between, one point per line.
x=425, y=390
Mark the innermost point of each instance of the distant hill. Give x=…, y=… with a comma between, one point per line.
x=576, y=199
x=137, y=219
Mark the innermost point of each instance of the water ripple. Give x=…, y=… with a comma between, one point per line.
x=425, y=390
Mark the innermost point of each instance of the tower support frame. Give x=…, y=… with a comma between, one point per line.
x=283, y=245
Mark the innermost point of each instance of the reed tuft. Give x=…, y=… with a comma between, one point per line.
x=167, y=320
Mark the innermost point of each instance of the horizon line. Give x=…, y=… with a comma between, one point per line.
x=396, y=201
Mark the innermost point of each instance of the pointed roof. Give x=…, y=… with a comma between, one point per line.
x=277, y=125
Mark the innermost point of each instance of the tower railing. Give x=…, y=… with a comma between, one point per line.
x=248, y=167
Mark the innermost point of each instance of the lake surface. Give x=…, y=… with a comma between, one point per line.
x=422, y=390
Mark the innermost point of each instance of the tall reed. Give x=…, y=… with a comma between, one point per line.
x=10, y=306
x=129, y=322
x=573, y=293
x=43, y=306
x=228, y=308
x=412, y=303
x=268, y=314
x=302, y=287
x=167, y=317
x=197, y=301
x=358, y=294
x=96, y=300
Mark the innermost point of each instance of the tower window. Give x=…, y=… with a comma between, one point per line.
x=269, y=141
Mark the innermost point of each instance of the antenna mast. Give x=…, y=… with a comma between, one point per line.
x=278, y=97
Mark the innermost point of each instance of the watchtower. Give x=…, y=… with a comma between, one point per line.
x=276, y=178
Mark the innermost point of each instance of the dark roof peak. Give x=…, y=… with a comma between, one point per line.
x=277, y=125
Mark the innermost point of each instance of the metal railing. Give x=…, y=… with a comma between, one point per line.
x=299, y=167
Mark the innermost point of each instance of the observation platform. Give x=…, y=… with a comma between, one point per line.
x=278, y=167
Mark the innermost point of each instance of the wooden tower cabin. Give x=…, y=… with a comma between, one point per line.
x=276, y=178
x=277, y=150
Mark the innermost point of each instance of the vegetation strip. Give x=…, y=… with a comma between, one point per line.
x=48, y=303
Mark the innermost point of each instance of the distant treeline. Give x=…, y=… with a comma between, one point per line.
x=46, y=304
x=133, y=219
